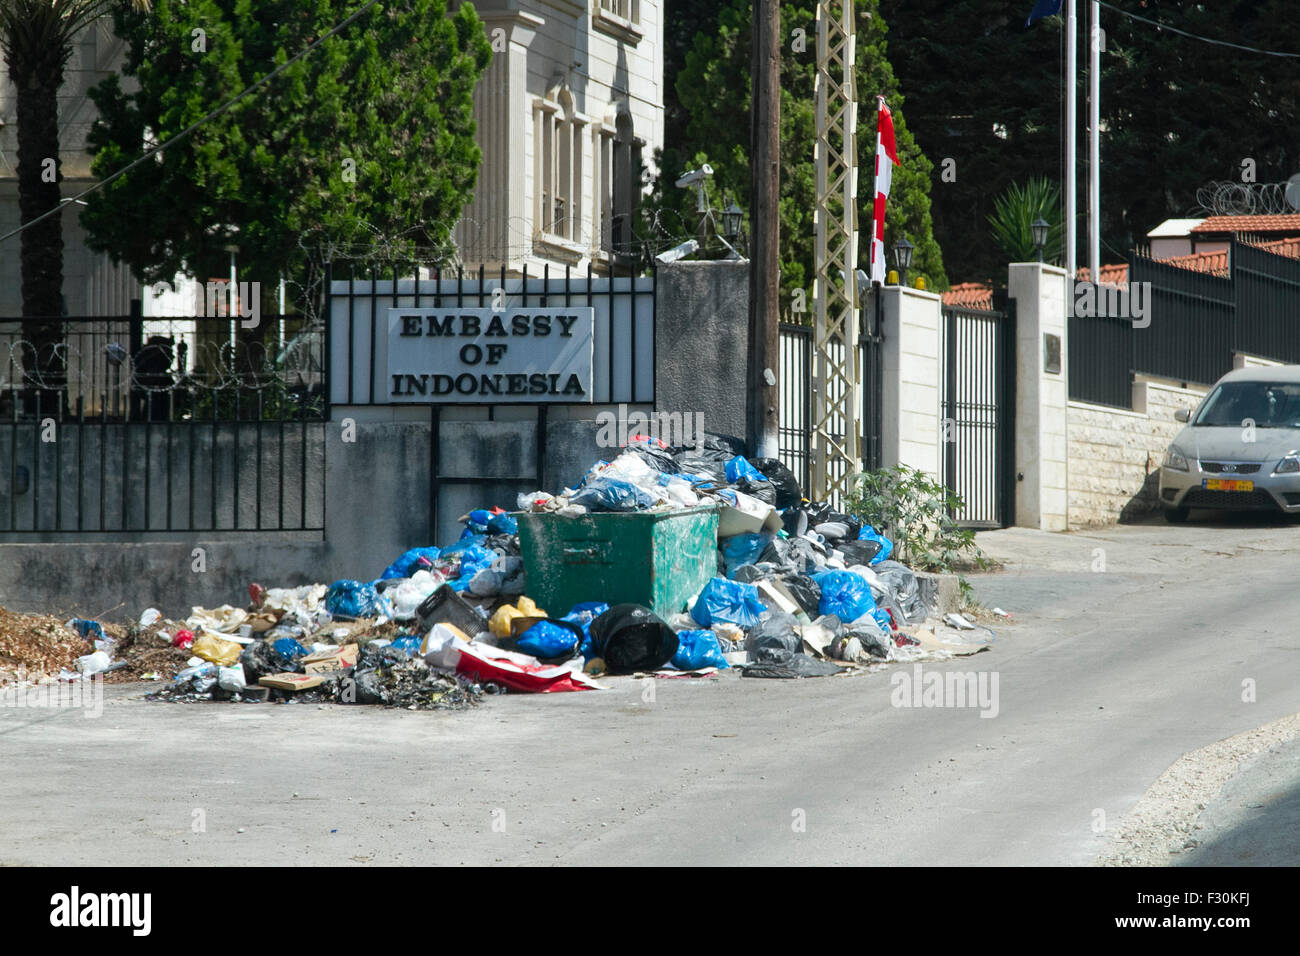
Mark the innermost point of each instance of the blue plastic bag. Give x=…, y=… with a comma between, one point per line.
x=463, y=545
x=289, y=649
x=90, y=630
x=503, y=523
x=869, y=533
x=742, y=549
x=738, y=468
x=696, y=649
x=881, y=617
x=611, y=494
x=728, y=602
x=409, y=644
x=477, y=520
x=546, y=639
x=473, y=559
x=409, y=563
x=844, y=594
x=351, y=599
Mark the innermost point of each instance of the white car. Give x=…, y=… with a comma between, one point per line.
x=1240, y=449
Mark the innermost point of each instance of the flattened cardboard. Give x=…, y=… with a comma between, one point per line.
x=290, y=681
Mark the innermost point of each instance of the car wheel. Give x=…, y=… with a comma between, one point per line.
x=1176, y=515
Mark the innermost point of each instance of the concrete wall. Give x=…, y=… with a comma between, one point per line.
x=1041, y=396
x=702, y=340
x=910, y=431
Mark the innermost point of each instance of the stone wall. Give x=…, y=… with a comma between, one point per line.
x=1115, y=453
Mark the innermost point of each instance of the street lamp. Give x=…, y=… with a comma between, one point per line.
x=903, y=257
x=1039, y=227
x=732, y=217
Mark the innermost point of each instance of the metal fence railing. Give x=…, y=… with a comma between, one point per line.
x=131, y=424
x=1194, y=325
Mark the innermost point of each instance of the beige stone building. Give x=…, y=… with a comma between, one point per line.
x=569, y=109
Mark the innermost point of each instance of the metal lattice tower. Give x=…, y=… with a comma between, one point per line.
x=837, y=407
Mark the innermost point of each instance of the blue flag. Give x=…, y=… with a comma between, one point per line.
x=1043, y=8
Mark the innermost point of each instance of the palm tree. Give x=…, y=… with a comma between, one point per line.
x=1013, y=216
x=36, y=38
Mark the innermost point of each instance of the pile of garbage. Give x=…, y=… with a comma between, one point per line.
x=803, y=590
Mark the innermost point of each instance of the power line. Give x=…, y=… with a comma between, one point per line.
x=196, y=124
x=1196, y=36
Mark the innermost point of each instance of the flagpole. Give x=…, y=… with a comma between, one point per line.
x=1071, y=137
x=1094, y=145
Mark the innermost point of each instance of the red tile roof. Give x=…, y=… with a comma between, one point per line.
x=977, y=295
x=969, y=295
x=1228, y=224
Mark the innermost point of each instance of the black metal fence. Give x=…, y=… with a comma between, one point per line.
x=131, y=424
x=797, y=358
x=1192, y=326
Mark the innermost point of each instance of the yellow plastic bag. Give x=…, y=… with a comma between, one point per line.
x=222, y=653
x=501, y=618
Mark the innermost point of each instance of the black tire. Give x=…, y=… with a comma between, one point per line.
x=1176, y=515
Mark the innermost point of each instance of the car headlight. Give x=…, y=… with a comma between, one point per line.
x=1289, y=465
x=1175, y=459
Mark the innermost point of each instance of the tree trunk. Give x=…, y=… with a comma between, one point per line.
x=37, y=75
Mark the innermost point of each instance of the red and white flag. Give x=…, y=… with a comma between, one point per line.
x=886, y=160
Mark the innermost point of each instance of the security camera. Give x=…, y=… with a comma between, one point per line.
x=677, y=252
x=695, y=176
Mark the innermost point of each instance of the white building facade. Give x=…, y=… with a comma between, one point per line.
x=569, y=113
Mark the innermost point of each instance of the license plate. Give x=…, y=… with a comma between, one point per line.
x=1227, y=484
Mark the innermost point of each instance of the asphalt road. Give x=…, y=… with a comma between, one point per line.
x=1128, y=648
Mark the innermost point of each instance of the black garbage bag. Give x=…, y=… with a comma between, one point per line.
x=795, y=521
x=729, y=444
x=805, y=555
x=762, y=490
x=776, y=650
x=796, y=665
x=774, y=638
x=858, y=552
x=632, y=638
x=749, y=573
x=903, y=587
x=782, y=479
x=366, y=687
x=507, y=544
x=659, y=459
x=260, y=659
x=805, y=591
x=712, y=469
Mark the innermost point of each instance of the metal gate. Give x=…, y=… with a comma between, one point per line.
x=797, y=383
x=977, y=427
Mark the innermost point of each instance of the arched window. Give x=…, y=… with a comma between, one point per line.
x=559, y=144
x=625, y=182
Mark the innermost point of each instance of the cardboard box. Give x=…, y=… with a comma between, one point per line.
x=291, y=681
x=334, y=659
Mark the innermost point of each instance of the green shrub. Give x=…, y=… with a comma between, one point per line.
x=917, y=514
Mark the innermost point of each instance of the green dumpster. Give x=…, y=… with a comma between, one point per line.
x=658, y=559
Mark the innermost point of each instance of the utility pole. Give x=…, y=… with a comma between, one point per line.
x=836, y=445
x=763, y=405
x=1094, y=147
x=1071, y=138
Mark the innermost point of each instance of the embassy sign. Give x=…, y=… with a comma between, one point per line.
x=480, y=356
